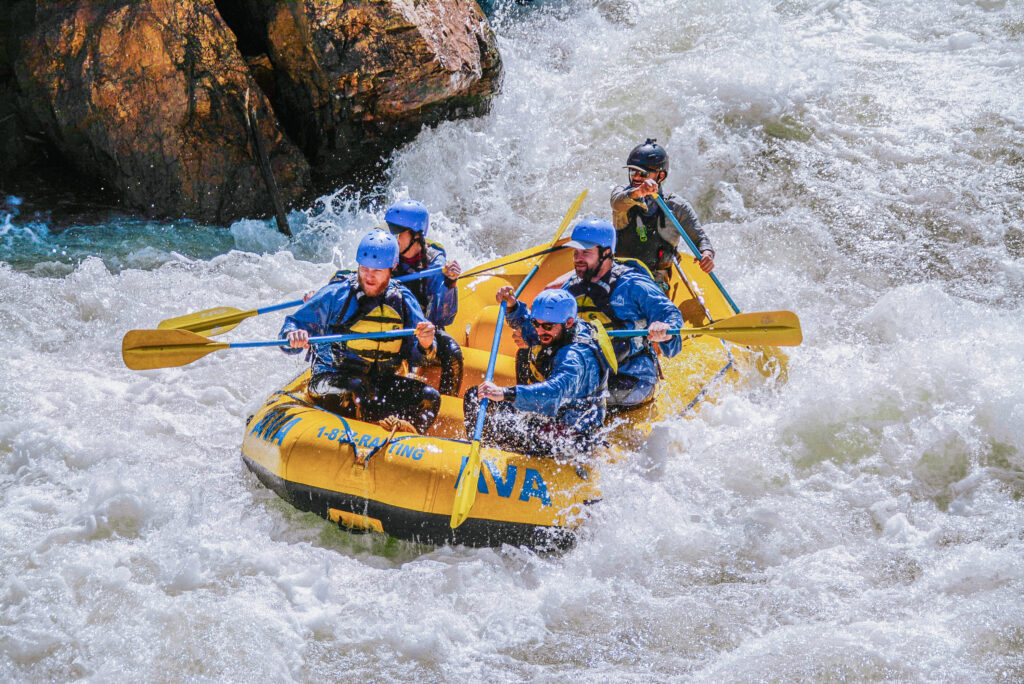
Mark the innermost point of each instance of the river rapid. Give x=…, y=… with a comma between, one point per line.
x=860, y=163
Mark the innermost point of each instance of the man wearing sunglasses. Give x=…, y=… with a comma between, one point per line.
x=559, y=410
x=645, y=233
x=621, y=294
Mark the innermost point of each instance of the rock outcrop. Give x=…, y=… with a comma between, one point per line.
x=147, y=96
x=350, y=80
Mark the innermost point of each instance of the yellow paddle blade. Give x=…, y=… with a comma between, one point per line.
x=765, y=328
x=148, y=349
x=209, y=322
x=465, y=493
x=569, y=216
x=605, y=343
x=519, y=256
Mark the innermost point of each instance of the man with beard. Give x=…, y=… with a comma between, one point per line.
x=408, y=220
x=622, y=295
x=560, y=407
x=644, y=232
x=360, y=378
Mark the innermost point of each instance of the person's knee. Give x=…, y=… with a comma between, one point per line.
x=523, y=366
x=328, y=384
x=470, y=408
x=627, y=390
x=335, y=393
x=431, y=397
x=453, y=348
x=447, y=347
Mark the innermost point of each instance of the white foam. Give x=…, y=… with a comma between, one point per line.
x=854, y=517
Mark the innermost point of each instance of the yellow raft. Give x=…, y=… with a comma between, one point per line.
x=351, y=473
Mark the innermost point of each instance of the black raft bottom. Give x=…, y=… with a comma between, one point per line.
x=415, y=526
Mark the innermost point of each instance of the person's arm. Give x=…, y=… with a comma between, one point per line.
x=648, y=299
x=517, y=315
x=444, y=293
x=563, y=385
x=311, y=318
x=687, y=218
x=422, y=345
x=621, y=204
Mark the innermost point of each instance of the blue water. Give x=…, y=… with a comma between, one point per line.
x=861, y=164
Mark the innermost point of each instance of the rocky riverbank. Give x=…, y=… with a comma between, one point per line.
x=147, y=98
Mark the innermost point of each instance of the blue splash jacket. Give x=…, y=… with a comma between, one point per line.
x=575, y=389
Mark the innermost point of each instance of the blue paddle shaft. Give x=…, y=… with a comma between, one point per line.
x=324, y=339
x=399, y=279
x=426, y=273
x=639, y=332
x=498, y=325
x=693, y=248
x=278, y=307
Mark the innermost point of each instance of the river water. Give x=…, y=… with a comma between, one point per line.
x=860, y=163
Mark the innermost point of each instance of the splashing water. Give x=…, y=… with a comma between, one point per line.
x=858, y=163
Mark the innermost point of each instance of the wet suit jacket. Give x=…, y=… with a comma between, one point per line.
x=626, y=297
x=339, y=306
x=436, y=294
x=573, y=391
x=645, y=233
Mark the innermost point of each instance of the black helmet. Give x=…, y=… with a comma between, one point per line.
x=650, y=157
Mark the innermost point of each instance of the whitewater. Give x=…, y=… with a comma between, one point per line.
x=859, y=519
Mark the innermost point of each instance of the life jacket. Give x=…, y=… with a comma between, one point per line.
x=386, y=311
x=593, y=301
x=642, y=239
x=431, y=250
x=542, y=359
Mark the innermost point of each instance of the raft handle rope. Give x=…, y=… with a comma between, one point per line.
x=700, y=299
x=365, y=460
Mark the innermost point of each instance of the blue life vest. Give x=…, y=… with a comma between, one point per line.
x=386, y=311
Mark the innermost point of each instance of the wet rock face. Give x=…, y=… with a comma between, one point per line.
x=148, y=97
x=353, y=79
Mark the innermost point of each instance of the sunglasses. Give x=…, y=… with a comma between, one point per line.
x=637, y=173
x=547, y=327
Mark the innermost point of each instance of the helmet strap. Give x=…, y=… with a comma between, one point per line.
x=416, y=238
x=566, y=336
x=604, y=255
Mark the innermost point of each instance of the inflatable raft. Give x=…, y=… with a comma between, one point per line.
x=365, y=478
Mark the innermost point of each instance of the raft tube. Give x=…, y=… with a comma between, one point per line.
x=366, y=479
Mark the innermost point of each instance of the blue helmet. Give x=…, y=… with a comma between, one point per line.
x=407, y=214
x=593, y=233
x=377, y=249
x=554, y=306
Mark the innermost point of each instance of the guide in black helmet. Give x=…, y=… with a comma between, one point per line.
x=644, y=232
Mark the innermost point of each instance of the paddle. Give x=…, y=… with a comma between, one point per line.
x=767, y=328
x=502, y=264
x=219, y=320
x=465, y=488
x=148, y=349
x=693, y=248
x=607, y=349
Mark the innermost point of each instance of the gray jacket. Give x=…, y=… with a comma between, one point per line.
x=643, y=217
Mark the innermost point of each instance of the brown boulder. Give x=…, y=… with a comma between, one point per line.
x=354, y=78
x=148, y=97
